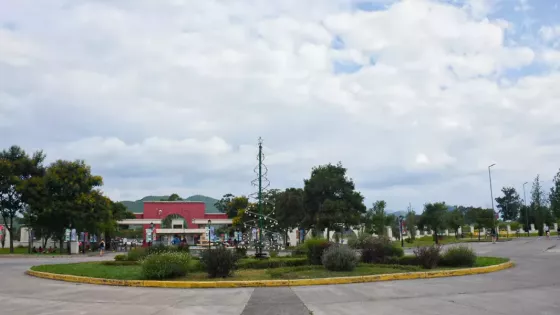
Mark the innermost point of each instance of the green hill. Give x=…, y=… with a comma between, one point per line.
x=138, y=205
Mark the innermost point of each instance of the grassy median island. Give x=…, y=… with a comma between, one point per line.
x=133, y=270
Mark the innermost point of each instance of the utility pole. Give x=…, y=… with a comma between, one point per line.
x=526, y=209
x=492, y=198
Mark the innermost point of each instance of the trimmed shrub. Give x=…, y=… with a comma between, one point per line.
x=273, y=253
x=358, y=241
x=339, y=258
x=378, y=250
x=428, y=256
x=165, y=265
x=120, y=257
x=253, y=263
x=458, y=256
x=136, y=254
x=158, y=249
x=183, y=248
x=241, y=252
x=218, y=262
x=300, y=250
x=315, y=249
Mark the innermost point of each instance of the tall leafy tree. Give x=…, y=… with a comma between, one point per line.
x=555, y=196
x=289, y=210
x=433, y=217
x=481, y=218
x=73, y=199
x=509, y=204
x=17, y=168
x=410, y=220
x=376, y=219
x=539, y=206
x=455, y=220
x=330, y=199
x=172, y=197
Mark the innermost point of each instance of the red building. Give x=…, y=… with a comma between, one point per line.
x=182, y=218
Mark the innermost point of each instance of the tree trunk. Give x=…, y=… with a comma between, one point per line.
x=328, y=234
x=479, y=234
x=10, y=230
x=61, y=245
x=435, y=237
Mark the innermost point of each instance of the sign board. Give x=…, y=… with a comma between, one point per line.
x=73, y=236
x=67, y=235
x=148, y=235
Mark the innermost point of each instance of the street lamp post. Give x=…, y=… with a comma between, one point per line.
x=526, y=209
x=209, y=236
x=492, y=198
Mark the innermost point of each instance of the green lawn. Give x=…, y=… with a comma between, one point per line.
x=133, y=271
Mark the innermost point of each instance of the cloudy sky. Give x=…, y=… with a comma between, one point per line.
x=416, y=98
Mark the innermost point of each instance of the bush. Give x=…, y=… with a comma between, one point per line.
x=218, y=262
x=429, y=256
x=458, y=256
x=183, y=248
x=273, y=253
x=241, y=252
x=254, y=263
x=136, y=254
x=165, y=265
x=300, y=250
x=339, y=258
x=378, y=250
x=121, y=258
x=358, y=241
x=315, y=248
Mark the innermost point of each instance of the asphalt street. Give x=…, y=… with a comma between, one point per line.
x=532, y=287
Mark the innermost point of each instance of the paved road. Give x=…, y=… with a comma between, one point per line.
x=532, y=287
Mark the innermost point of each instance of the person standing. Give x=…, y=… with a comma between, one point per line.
x=493, y=231
x=101, y=248
x=547, y=232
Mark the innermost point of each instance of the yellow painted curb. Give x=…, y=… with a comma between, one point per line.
x=272, y=283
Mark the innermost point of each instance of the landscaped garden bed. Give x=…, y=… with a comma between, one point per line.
x=321, y=260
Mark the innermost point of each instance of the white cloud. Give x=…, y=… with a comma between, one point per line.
x=172, y=97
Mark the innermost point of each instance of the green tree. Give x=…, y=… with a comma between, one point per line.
x=330, y=199
x=481, y=218
x=73, y=200
x=172, y=197
x=376, y=219
x=289, y=209
x=455, y=220
x=539, y=206
x=226, y=205
x=433, y=218
x=411, y=222
x=555, y=196
x=17, y=168
x=509, y=204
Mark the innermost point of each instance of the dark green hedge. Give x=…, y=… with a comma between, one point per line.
x=253, y=263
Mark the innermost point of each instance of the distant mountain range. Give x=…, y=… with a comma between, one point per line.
x=138, y=205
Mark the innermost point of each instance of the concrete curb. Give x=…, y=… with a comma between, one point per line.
x=272, y=283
